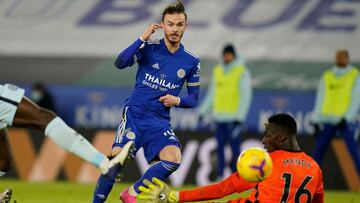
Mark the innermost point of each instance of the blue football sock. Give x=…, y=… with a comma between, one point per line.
x=160, y=170
x=105, y=184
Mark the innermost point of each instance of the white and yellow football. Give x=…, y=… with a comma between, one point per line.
x=254, y=164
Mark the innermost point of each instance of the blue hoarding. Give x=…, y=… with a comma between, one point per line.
x=89, y=107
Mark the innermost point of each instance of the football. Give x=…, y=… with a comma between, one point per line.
x=254, y=164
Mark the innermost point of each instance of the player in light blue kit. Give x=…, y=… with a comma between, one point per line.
x=19, y=111
x=164, y=66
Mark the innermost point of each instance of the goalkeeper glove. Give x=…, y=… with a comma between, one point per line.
x=157, y=192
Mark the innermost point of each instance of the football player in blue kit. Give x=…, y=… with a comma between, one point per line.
x=163, y=68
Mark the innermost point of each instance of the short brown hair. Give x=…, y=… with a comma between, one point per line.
x=177, y=7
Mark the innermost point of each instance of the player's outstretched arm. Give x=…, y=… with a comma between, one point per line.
x=230, y=185
x=126, y=57
x=159, y=192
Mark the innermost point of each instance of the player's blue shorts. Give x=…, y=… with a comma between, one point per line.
x=153, y=134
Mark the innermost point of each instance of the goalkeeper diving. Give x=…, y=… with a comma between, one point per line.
x=296, y=177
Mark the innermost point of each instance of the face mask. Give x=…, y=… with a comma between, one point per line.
x=36, y=95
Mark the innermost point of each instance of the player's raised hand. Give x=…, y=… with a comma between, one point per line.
x=150, y=30
x=169, y=100
x=157, y=192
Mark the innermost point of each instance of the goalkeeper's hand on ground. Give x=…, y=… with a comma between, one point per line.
x=157, y=192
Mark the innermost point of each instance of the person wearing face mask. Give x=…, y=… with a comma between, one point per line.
x=337, y=106
x=40, y=95
x=228, y=102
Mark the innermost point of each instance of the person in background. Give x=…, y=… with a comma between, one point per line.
x=337, y=106
x=228, y=101
x=42, y=97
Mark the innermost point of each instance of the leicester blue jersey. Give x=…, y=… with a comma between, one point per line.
x=161, y=72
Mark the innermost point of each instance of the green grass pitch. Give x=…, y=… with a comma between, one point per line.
x=66, y=192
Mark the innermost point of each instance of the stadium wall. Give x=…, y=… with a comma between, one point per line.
x=101, y=107
x=298, y=30
x=267, y=74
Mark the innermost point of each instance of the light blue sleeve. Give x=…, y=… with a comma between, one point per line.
x=246, y=96
x=207, y=103
x=353, y=111
x=316, y=117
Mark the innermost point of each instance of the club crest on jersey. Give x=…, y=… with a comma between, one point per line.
x=12, y=87
x=181, y=73
x=130, y=135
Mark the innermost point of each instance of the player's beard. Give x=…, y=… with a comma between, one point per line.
x=178, y=37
